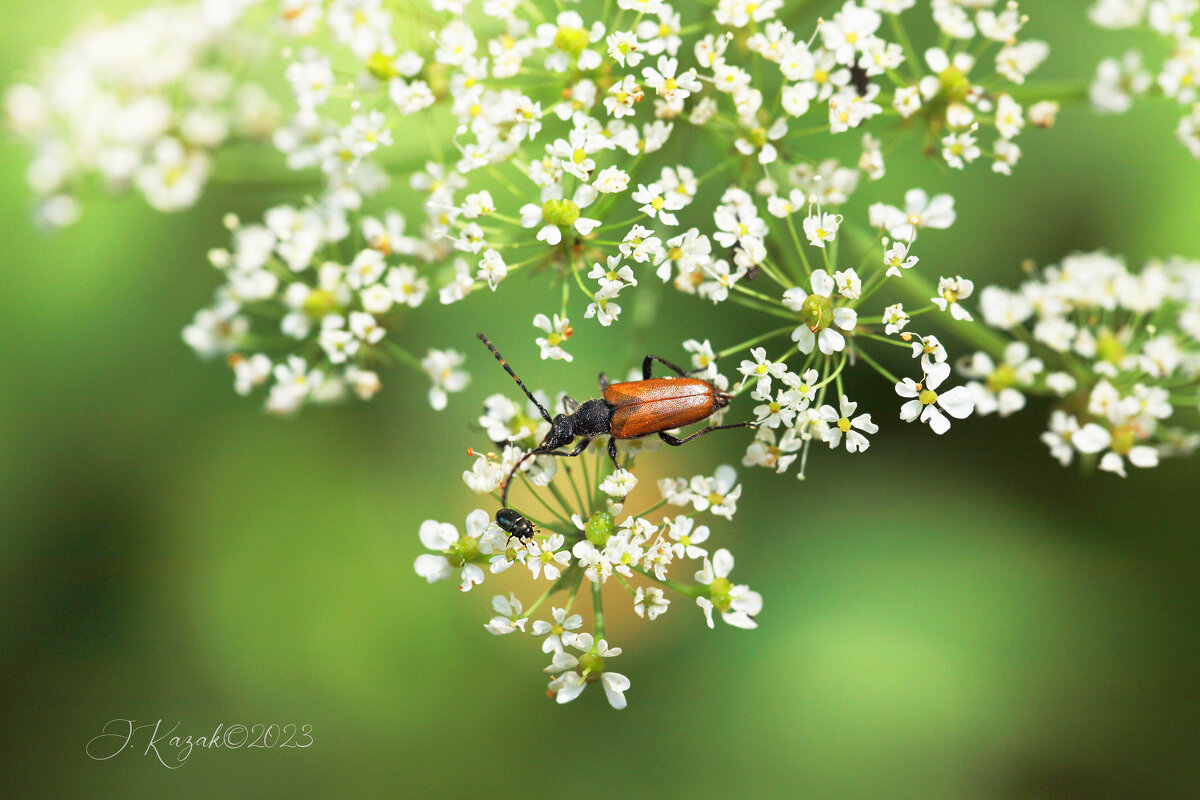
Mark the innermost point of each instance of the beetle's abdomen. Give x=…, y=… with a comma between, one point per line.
x=660, y=404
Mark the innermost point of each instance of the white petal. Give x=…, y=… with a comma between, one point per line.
x=1111, y=462
x=1143, y=457
x=822, y=284
x=830, y=341
x=936, y=419
x=957, y=402
x=911, y=410
x=936, y=375
x=722, y=563
x=804, y=339
x=471, y=575
x=739, y=619
x=615, y=685
x=1091, y=438
x=432, y=568
x=477, y=522
x=437, y=535
x=569, y=692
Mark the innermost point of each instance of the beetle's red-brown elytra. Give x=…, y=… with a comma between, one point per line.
x=641, y=408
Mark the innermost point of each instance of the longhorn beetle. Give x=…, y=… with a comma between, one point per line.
x=628, y=410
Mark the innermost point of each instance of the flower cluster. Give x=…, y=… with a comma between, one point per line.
x=303, y=311
x=141, y=103
x=586, y=537
x=1116, y=347
x=1119, y=81
x=562, y=124
x=798, y=391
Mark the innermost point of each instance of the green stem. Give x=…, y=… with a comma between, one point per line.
x=876, y=365
x=746, y=345
x=598, y=609
x=687, y=591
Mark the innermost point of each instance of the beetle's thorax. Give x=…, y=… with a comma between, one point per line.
x=594, y=418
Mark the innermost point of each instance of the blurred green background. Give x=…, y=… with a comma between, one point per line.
x=954, y=618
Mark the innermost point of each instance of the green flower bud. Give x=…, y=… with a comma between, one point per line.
x=462, y=551
x=562, y=213
x=817, y=312
x=1005, y=377
x=319, y=303
x=571, y=40
x=1110, y=349
x=599, y=527
x=592, y=665
x=955, y=85
x=1123, y=440
x=720, y=593
x=381, y=67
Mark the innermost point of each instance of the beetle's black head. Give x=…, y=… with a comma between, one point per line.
x=514, y=524
x=562, y=433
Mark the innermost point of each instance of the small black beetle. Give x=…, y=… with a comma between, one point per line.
x=515, y=525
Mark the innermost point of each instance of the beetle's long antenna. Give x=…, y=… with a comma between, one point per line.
x=512, y=473
x=508, y=369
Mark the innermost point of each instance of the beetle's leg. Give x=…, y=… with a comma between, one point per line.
x=612, y=452
x=579, y=448
x=570, y=405
x=675, y=441
x=648, y=367
x=604, y=383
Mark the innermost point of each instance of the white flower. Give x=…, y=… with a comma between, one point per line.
x=623, y=48
x=575, y=673
x=822, y=328
x=492, y=268
x=920, y=211
x=1000, y=388
x=508, y=617
x=737, y=604
x=1063, y=427
x=841, y=422
x=618, y=484
x=895, y=318
x=718, y=494
x=611, y=180
x=547, y=557
x=658, y=203
x=457, y=552
x=650, y=603
x=950, y=292
x=667, y=84
x=926, y=401
x=441, y=367
x=821, y=228
x=687, y=537
x=762, y=369
x=561, y=626
x=603, y=309
x=1094, y=438
x=557, y=332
